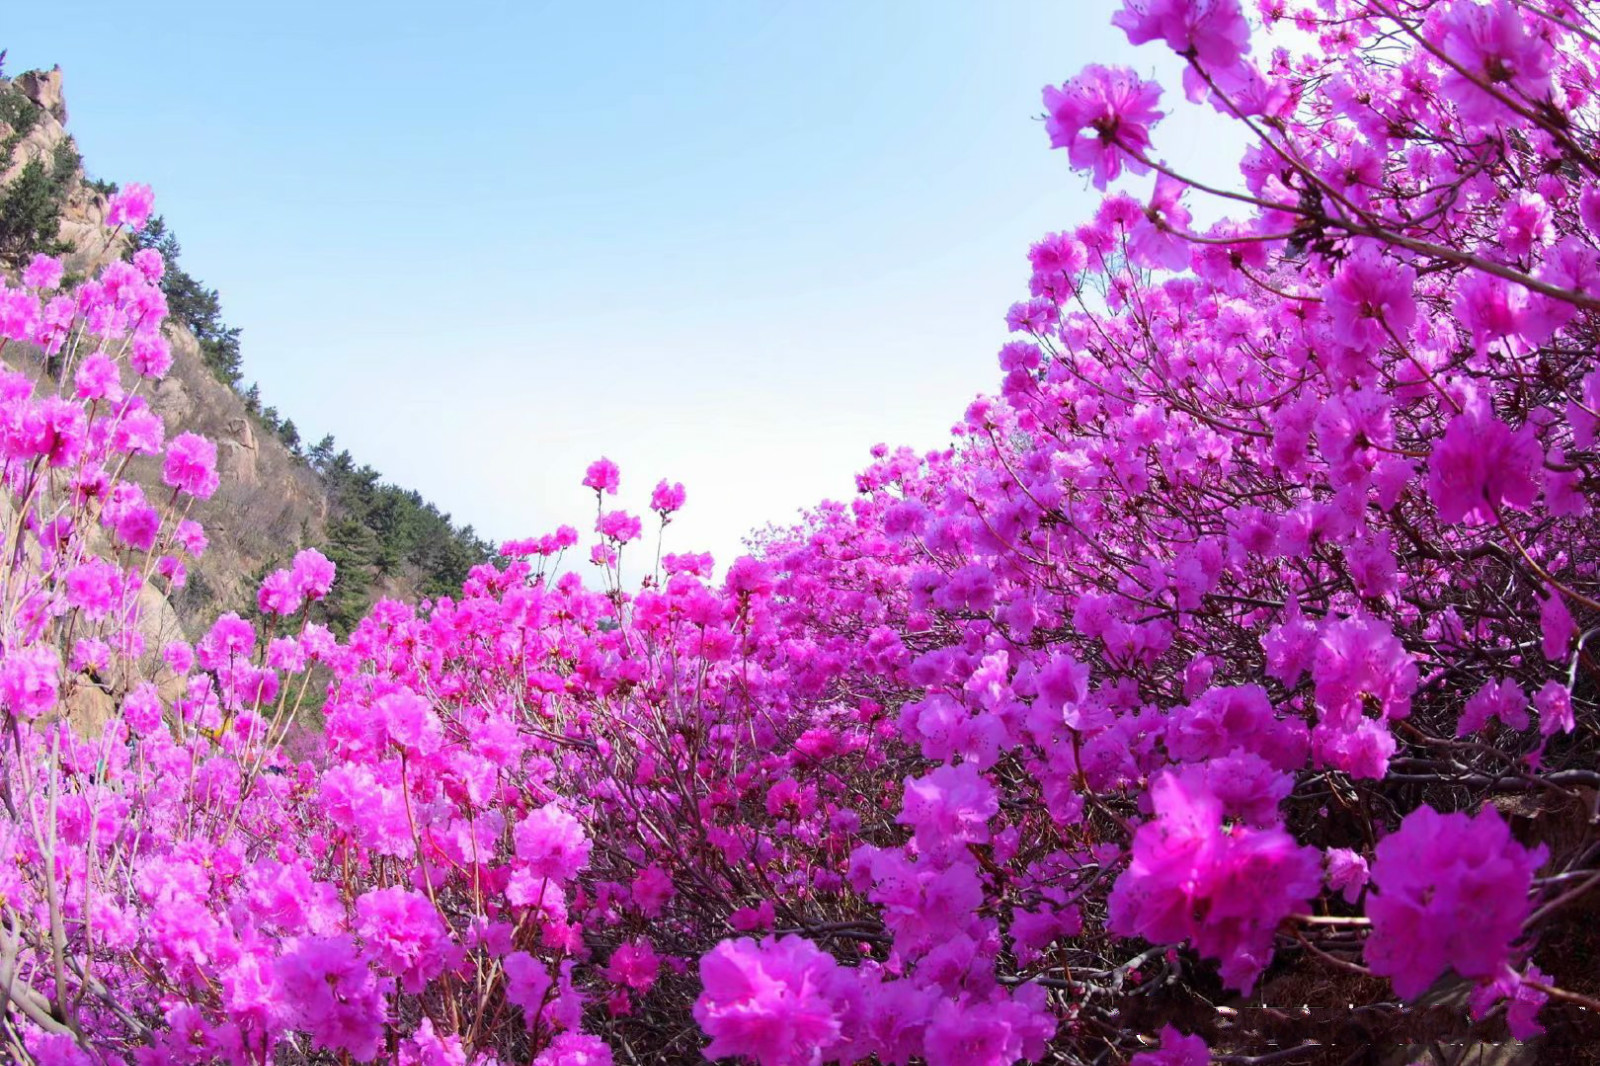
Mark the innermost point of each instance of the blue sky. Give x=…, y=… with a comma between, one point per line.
x=729, y=243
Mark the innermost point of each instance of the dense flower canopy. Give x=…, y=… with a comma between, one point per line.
x=1234, y=654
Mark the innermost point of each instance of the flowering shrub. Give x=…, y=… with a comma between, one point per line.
x=1197, y=668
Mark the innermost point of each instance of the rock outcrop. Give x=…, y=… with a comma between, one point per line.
x=43, y=87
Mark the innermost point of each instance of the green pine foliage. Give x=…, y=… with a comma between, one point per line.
x=388, y=531
x=30, y=215
x=189, y=302
x=17, y=112
x=30, y=204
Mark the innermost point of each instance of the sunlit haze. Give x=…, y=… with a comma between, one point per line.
x=731, y=244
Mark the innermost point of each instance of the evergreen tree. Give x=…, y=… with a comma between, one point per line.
x=30, y=214
x=321, y=453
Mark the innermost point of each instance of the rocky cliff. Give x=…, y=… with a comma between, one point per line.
x=272, y=500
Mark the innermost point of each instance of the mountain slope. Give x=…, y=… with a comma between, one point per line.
x=275, y=497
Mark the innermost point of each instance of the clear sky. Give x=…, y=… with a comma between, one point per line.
x=730, y=243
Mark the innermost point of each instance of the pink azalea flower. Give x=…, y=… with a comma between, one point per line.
x=634, y=964
x=1347, y=873
x=575, y=1049
x=667, y=499
x=130, y=206
x=279, y=594
x=949, y=807
x=619, y=526
x=151, y=355
x=334, y=995
x=602, y=476
x=1212, y=31
x=97, y=378
x=1369, y=296
x=528, y=984
x=43, y=273
x=1503, y=700
x=1483, y=465
x=1556, y=624
x=404, y=932
x=1359, y=662
x=1491, y=42
x=191, y=465
x=1103, y=118
x=1522, y=1001
x=313, y=573
x=1494, y=310
x=551, y=843
x=1554, y=704
x=1451, y=891
x=29, y=680
x=989, y=1031
x=1225, y=890
x=768, y=1001
x=148, y=262
x=1156, y=239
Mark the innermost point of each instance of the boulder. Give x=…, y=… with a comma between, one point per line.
x=238, y=453
x=43, y=87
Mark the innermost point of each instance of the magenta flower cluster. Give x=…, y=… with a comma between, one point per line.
x=1216, y=651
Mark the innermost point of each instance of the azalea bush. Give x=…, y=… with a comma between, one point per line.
x=1223, y=689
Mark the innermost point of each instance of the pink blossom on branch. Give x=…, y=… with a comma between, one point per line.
x=130, y=206
x=1449, y=891
x=1370, y=298
x=772, y=1002
x=191, y=465
x=619, y=527
x=1482, y=466
x=1226, y=890
x=602, y=476
x=313, y=573
x=1491, y=51
x=666, y=499
x=1157, y=239
x=1103, y=118
x=43, y=272
x=1176, y=1050
x=1214, y=32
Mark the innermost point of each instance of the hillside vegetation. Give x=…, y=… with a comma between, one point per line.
x=278, y=494
x=1223, y=693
